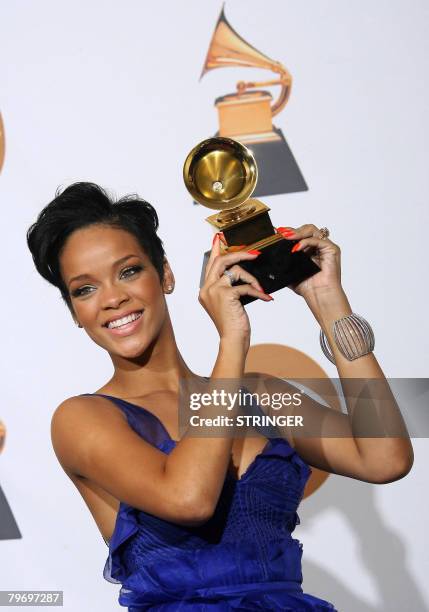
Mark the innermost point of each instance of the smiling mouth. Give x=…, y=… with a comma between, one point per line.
x=120, y=323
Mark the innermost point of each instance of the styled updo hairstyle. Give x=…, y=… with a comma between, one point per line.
x=83, y=204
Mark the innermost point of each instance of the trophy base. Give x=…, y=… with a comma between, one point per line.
x=275, y=268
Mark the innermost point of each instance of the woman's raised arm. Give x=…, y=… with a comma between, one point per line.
x=378, y=459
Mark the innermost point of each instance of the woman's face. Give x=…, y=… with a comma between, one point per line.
x=118, y=297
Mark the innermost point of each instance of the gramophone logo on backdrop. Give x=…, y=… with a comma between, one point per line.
x=8, y=527
x=246, y=115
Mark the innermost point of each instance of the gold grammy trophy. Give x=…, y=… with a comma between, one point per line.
x=246, y=115
x=221, y=174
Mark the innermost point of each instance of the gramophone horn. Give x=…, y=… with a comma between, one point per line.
x=228, y=48
x=220, y=173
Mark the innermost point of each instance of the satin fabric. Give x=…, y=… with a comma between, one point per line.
x=243, y=558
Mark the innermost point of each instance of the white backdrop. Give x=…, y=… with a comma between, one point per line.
x=108, y=92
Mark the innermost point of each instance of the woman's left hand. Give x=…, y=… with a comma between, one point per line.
x=323, y=252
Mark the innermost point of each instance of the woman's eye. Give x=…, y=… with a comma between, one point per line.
x=81, y=291
x=131, y=271
x=126, y=273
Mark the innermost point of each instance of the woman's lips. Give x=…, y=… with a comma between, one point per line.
x=127, y=329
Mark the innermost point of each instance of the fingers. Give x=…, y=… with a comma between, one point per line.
x=316, y=243
x=221, y=262
x=238, y=290
x=303, y=233
x=224, y=287
x=218, y=263
x=215, y=252
x=309, y=230
x=238, y=273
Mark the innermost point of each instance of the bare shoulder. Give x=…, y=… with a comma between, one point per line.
x=72, y=408
x=78, y=419
x=78, y=410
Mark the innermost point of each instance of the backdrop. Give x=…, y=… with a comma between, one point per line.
x=109, y=92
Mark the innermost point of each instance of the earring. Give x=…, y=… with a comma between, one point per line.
x=170, y=288
x=78, y=324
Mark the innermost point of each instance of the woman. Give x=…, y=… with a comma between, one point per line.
x=200, y=523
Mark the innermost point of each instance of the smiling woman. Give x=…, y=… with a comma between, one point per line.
x=200, y=523
x=93, y=252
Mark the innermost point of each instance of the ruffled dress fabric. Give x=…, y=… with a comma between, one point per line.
x=243, y=558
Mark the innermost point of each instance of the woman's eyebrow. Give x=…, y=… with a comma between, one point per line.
x=116, y=263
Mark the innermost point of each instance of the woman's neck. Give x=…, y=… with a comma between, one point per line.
x=160, y=367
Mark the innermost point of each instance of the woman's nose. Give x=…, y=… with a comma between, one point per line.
x=114, y=296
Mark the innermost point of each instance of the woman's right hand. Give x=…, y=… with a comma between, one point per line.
x=221, y=300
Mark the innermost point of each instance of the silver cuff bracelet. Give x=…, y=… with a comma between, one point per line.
x=353, y=336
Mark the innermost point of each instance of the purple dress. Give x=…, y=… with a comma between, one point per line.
x=243, y=558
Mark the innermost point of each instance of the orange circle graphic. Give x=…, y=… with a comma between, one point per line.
x=2, y=149
x=2, y=435
x=286, y=362
x=2, y=143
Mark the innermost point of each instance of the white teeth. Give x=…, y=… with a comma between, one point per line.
x=118, y=322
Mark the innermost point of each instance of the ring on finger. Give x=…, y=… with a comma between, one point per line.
x=231, y=276
x=323, y=233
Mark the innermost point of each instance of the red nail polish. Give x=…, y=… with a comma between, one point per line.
x=254, y=252
x=264, y=292
x=296, y=247
x=284, y=229
x=287, y=233
x=215, y=237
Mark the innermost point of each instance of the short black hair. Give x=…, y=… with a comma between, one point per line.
x=83, y=204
